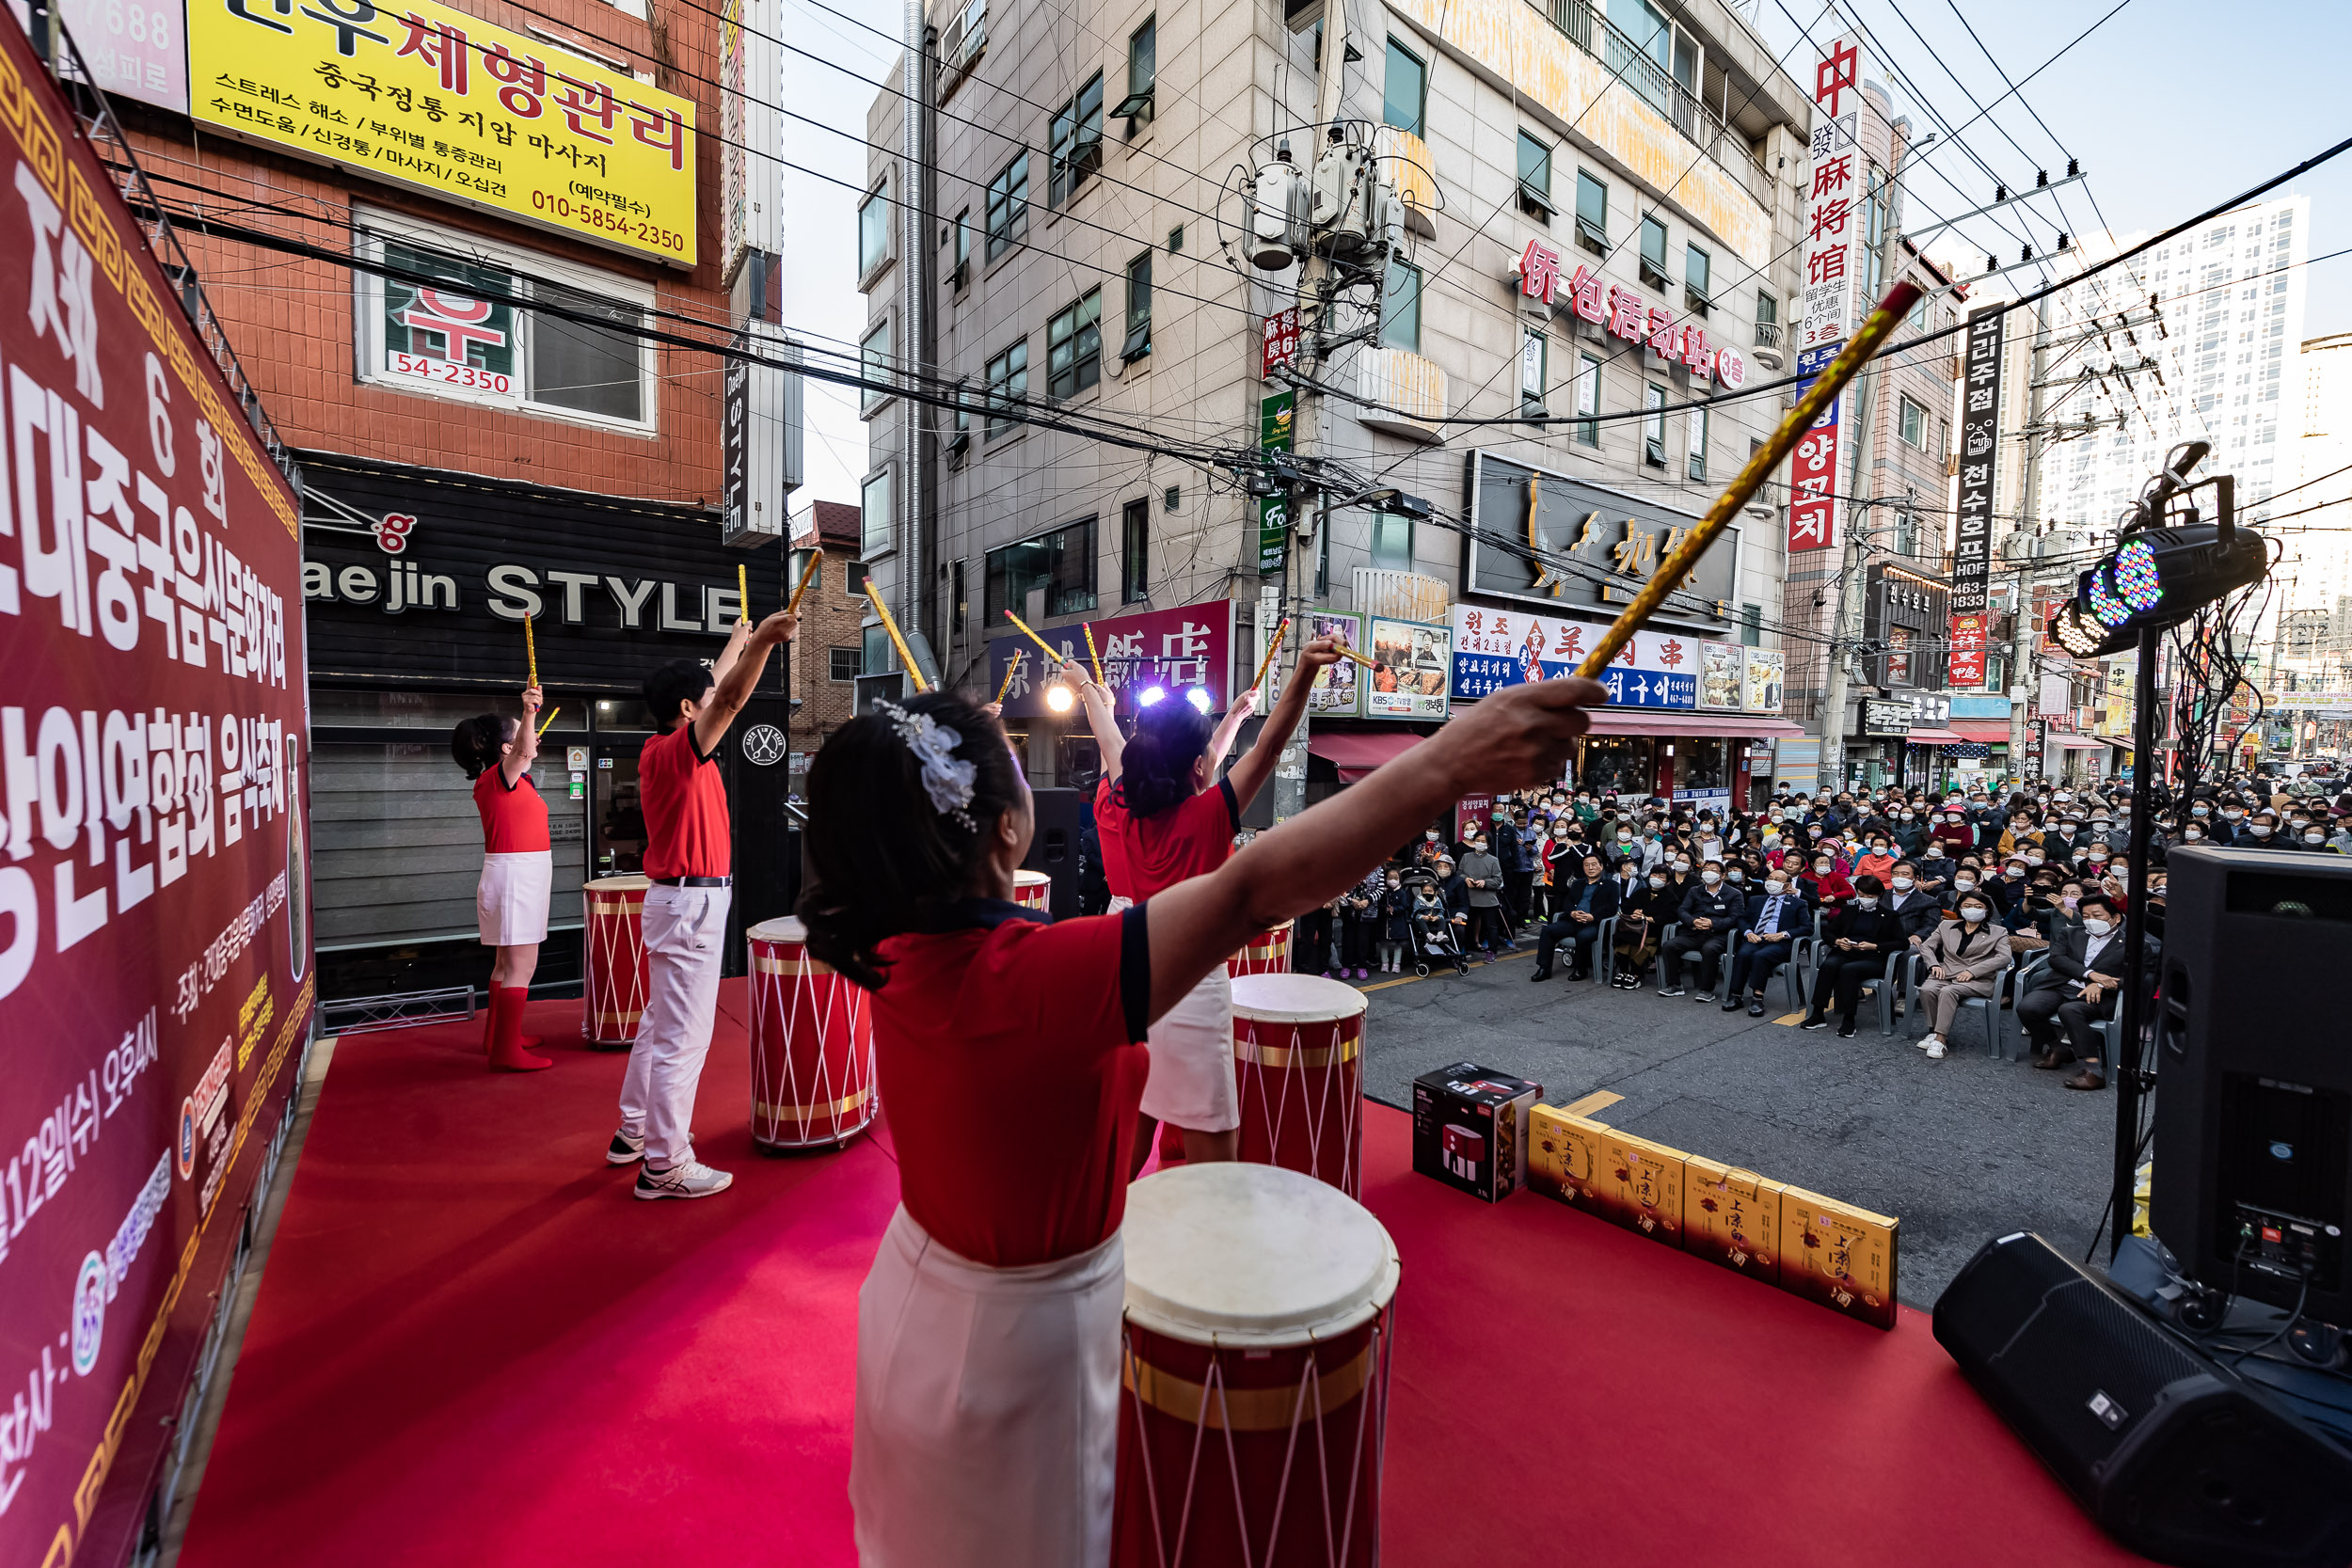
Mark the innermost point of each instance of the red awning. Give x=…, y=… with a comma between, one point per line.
x=1741, y=726
x=1936, y=738
x=1355, y=754
x=1985, y=732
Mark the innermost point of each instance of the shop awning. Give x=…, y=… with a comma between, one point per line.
x=1355, y=754
x=2085, y=742
x=1717, y=726
x=1984, y=732
x=1936, y=738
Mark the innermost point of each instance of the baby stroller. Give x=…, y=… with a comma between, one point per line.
x=1435, y=939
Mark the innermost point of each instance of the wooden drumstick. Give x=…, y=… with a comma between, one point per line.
x=531, y=651
x=743, y=595
x=550, y=719
x=1346, y=652
x=1273, y=649
x=809, y=575
x=1018, y=654
x=1092, y=654
x=906, y=656
x=1679, y=563
x=1032, y=636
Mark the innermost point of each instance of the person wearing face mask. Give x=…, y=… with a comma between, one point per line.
x=2232, y=825
x=1429, y=851
x=1855, y=947
x=1513, y=849
x=1964, y=958
x=2311, y=838
x=1951, y=830
x=1878, y=860
x=1776, y=915
x=1909, y=833
x=2260, y=830
x=1705, y=923
x=1641, y=913
x=2022, y=833
x=2086, y=970
x=1586, y=897
x=1482, y=882
x=1824, y=886
x=1920, y=910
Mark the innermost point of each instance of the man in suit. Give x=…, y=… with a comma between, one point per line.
x=1707, y=919
x=1775, y=918
x=2085, y=979
x=1855, y=947
x=1583, y=903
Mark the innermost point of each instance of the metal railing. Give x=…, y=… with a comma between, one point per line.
x=1656, y=85
x=105, y=135
x=1768, y=334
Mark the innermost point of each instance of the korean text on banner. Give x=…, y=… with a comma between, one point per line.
x=1833, y=201
x=1495, y=648
x=1979, y=458
x=436, y=99
x=155, y=980
x=1813, y=467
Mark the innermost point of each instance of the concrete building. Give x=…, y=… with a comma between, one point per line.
x=2316, y=626
x=1088, y=259
x=830, y=653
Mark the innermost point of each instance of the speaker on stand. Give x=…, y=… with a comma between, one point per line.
x=1058, y=848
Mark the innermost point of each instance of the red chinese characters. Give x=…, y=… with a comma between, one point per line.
x=1539, y=271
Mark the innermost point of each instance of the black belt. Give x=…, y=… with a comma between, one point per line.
x=693, y=881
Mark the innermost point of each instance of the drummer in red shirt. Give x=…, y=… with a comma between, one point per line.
x=1173, y=817
x=988, y=1328
x=517, y=871
x=687, y=859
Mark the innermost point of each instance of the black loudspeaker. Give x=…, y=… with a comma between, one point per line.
x=2252, y=1188
x=1058, y=848
x=2172, y=1455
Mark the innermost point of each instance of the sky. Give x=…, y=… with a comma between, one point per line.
x=2170, y=107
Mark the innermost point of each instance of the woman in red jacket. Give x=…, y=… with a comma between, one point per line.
x=1829, y=885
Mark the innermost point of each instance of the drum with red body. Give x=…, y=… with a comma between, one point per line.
x=1298, y=1057
x=1032, y=889
x=1254, y=1361
x=1268, y=953
x=613, y=960
x=811, y=1044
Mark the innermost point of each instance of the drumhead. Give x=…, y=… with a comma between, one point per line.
x=632, y=883
x=784, y=927
x=1234, y=1254
x=1294, y=998
x=1030, y=878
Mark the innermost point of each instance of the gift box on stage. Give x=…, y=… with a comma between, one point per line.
x=1839, y=1256
x=1471, y=1129
x=1732, y=1217
x=1644, y=1184
x=1563, y=1158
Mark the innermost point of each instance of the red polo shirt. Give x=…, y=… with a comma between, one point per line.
x=513, y=818
x=1002, y=1020
x=685, y=803
x=1114, y=849
x=1189, y=839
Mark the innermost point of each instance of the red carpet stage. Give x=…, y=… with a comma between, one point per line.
x=474, y=1347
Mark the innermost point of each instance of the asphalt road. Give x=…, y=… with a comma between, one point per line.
x=1960, y=1150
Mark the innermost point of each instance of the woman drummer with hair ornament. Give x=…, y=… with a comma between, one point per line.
x=517, y=871
x=987, y=1327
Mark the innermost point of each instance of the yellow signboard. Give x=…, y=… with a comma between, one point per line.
x=432, y=99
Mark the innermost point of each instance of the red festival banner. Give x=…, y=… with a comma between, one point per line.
x=155, y=985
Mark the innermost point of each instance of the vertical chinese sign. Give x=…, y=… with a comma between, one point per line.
x=1274, y=512
x=1833, y=229
x=1966, y=662
x=155, y=985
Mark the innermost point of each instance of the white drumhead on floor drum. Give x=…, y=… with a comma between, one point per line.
x=627, y=882
x=1030, y=878
x=1236, y=1254
x=1294, y=998
x=784, y=927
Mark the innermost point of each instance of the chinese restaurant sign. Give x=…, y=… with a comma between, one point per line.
x=1623, y=314
x=432, y=99
x=155, y=985
x=1171, y=648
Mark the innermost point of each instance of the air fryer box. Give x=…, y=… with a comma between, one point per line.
x=1469, y=1128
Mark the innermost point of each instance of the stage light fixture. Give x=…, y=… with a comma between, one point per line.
x=2157, y=577
x=1199, y=697
x=1150, y=694
x=1058, y=698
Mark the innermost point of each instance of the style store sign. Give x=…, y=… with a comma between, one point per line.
x=512, y=592
x=1624, y=313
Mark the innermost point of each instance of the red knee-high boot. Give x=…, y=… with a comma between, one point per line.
x=506, y=1044
x=522, y=996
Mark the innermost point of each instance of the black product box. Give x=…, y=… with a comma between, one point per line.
x=1469, y=1128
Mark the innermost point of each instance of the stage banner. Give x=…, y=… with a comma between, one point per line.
x=437, y=101
x=1980, y=438
x=1168, y=648
x=155, y=984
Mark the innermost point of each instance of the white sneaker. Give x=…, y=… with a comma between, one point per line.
x=624, y=1149
x=1936, y=1049
x=691, y=1179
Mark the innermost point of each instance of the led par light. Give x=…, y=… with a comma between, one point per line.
x=2156, y=578
x=1197, y=696
x=1150, y=695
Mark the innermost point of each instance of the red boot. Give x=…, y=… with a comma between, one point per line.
x=506, y=1043
x=522, y=996
x=1172, y=1144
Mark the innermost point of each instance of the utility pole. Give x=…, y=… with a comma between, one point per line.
x=915, y=250
x=2023, y=631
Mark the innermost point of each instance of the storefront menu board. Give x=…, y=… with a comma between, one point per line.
x=155, y=982
x=1495, y=648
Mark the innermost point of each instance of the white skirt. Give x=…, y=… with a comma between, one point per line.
x=511, y=903
x=1192, y=1081
x=987, y=1424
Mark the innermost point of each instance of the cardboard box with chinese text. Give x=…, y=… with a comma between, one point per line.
x=1471, y=1129
x=1732, y=1217
x=1839, y=1256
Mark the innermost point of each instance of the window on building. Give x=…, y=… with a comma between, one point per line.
x=873, y=229
x=876, y=656
x=1751, y=624
x=1143, y=67
x=1697, y=266
x=1135, y=541
x=1535, y=178
x=963, y=272
x=452, y=341
x=1073, y=347
x=1588, y=400
x=959, y=603
x=1943, y=438
x=797, y=564
x=1050, y=574
x=1137, y=341
x=1534, y=369
x=1912, y=422
x=1404, y=95
x=1008, y=384
x=1653, y=426
x=1391, y=541
x=1400, y=307
x=1592, y=214
x=847, y=664
x=1077, y=142
x=1696, y=446
x=1766, y=319
x=1653, y=253
x=875, y=364
x=877, y=527
x=1008, y=206
x=1918, y=317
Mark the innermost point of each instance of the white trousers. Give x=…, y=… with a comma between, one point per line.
x=987, y=1425
x=1192, y=1083
x=685, y=931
